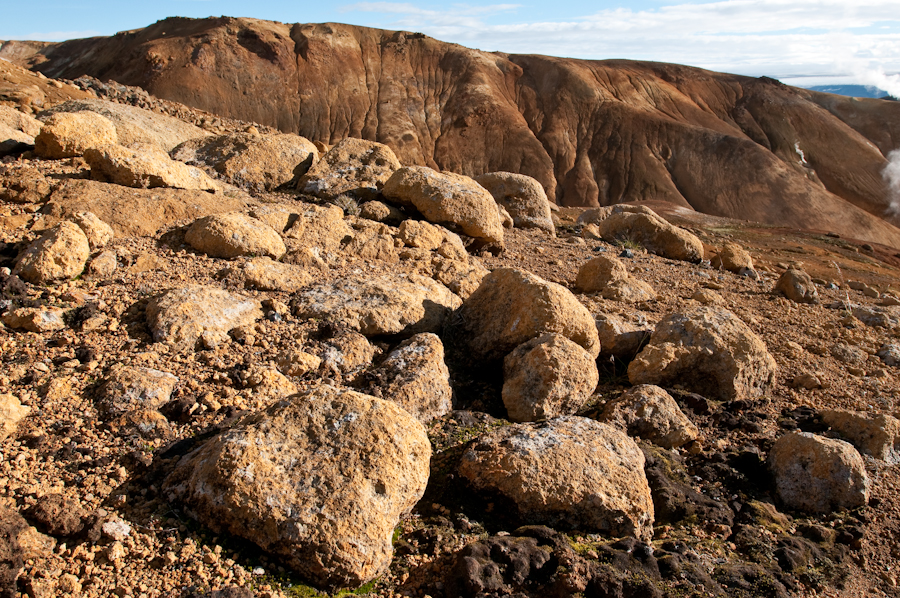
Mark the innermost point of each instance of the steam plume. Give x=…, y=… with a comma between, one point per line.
x=891, y=174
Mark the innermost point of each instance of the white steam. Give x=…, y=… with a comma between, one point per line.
x=891, y=174
x=876, y=77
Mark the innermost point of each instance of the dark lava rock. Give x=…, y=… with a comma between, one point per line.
x=673, y=500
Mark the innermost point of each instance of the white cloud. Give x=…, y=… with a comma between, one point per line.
x=55, y=36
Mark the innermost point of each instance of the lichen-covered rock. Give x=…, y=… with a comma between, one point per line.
x=797, y=285
x=98, y=233
x=355, y=167
x=818, y=474
x=877, y=435
x=233, y=235
x=379, y=305
x=570, y=472
x=642, y=225
x=321, y=227
x=35, y=319
x=347, y=351
x=185, y=315
x=514, y=306
x=59, y=254
x=266, y=274
x=415, y=376
x=144, y=166
x=734, y=258
x=320, y=480
x=66, y=134
x=463, y=278
x=649, y=412
x=104, y=264
x=255, y=162
x=546, y=377
x=130, y=387
x=522, y=196
x=708, y=350
x=446, y=198
x=12, y=411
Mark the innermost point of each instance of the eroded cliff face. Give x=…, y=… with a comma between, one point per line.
x=592, y=132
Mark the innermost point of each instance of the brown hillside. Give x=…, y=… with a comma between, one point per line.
x=592, y=132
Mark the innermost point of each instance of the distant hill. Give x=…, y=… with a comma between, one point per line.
x=856, y=91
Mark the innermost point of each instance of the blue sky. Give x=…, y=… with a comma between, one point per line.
x=800, y=41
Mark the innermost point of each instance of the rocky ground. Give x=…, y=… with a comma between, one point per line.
x=279, y=376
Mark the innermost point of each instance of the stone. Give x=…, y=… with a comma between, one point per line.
x=876, y=317
x=513, y=306
x=734, y=258
x=630, y=290
x=234, y=234
x=619, y=338
x=35, y=319
x=797, y=285
x=506, y=220
x=298, y=363
x=371, y=245
x=598, y=273
x=130, y=387
x=59, y=254
x=321, y=227
x=569, y=472
x=889, y=353
x=267, y=382
x=98, y=233
x=404, y=305
x=320, y=480
x=347, y=351
x=25, y=185
x=877, y=435
x=381, y=212
x=182, y=316
x=143, y=423
x=11, y=413
x=278, y=216
x=453, y=200
x=103, y=265
x=255, y=162
x=708, y=350
x=57, y=515
x=355, y=167
x=546, y=377
x=522, y=196
x=133, y=124
x=460, y=277
x=19, y=542
x=849, y=355
x=817, y=474
x=66, y=135
x=115, y=529
x=707, y=297
x=265, y=274
x=19, y=121
x=14, y=141
x=649, y=412
x=144, y=166
x=415, y=377
x=645, y=227
x=417, y=233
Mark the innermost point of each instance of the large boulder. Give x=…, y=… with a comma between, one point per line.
x=98, y=233
x=708, y=350
x=645, y=227
x=320, y=480
x=734, y=258
x=234, y=235
x=185, y=315
x=522, y=196
x=877, y=435
x=569, y=472
x=415, y=376
x=546, y=377
x=453, y=200
x=514, y=306
x=144, y=166
x=133, y=124
x=403, y=305
x=817, y=474
x=66, y=135
x=59, y=254
x=321, y=227
x=649, y=412
x=797, y=285
x=353, y=167
x=610, y=277
x=252, y=161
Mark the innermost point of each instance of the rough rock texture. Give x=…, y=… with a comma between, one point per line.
x=347, y=351
x=234, y=235
x=818, y=474
x=182, y=316
x=320, y=480
x=59, y=254
x=598, y=273
x=619, y=338
x=591, y=132
x=646, y=228
x=67, y=135
x=651, y=413
x=26, y=186
x=522, y=196
x=514, y=306
x=19, y=543
x=877, y=435
x=133, y=125
x=98, y=233
x=265, y=274
x=415, y=376
x=319, y=226
x=11, y=413
x=397, y=305
x=144, y=166
x=447, y=198
x=19, y=121
x=254, y=162
x=130, y=387
x=463, y=278
x=734, y=258
x=708, y=350
x=35, y=319
x=568, y=472
x=416, y=233
x=797, y=285
x=353, y=167
x=546, y=377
